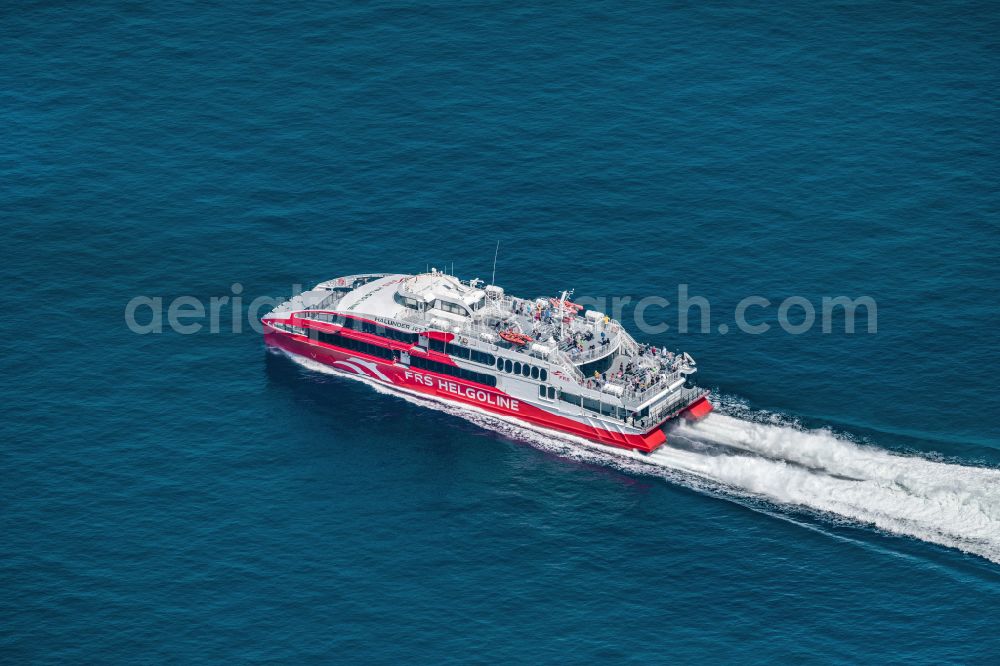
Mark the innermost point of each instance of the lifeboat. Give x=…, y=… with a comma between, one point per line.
x=515, y=338
x=575, y=307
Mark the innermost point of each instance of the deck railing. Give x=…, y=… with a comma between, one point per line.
x=685, y=397
x=598, y=351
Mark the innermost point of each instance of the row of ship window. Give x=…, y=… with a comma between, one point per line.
x=363, y=326
x=381, y=331
x=485, y=358
x=467, y=353
x=328, y=317
x=594, y=405
x=515, y=367
x=451, y=307
x=550, y=392
x=458, y=351
x=345, y=342
x=289, y=329
x=523, y=369
x=447, y=306
x=454, y=371
x=403, y=336
x=353, y=344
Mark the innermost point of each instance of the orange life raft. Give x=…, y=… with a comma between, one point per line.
x=515, y=338
x=569, y=306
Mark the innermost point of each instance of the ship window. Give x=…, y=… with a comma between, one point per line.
x=444, y=369
x=526, y=370
x=379, y=330
x=547, y=392
x=406, y=301
x=474, y=355
x=318, y=316
x=344, y=342
x=544, y=375
x=453, y=308
x=400, y=336
x=508, y=366
x=436, y=345
x=499, y=364
x=534, y=372
x=481, y=357
x=517, y=367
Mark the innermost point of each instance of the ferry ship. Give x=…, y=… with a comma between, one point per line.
x=547, y=362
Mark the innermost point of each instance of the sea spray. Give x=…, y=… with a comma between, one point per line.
x=952, y=505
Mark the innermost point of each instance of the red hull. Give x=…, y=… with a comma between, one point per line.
x=457, y=390
x=698, y=410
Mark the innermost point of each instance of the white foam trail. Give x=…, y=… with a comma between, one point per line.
x=943, y=503
x=948, y=504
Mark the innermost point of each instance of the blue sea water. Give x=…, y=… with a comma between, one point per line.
x=191, y=498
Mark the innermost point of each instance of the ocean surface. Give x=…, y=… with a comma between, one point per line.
x=191, y=498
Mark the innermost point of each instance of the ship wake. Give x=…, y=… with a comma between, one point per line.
x=743, y=455
x=946, y=503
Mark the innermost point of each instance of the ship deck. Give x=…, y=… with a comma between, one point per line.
x=638, y=374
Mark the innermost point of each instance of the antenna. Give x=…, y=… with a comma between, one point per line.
x=493, y=280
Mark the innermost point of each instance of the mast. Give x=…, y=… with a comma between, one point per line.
x=562, y=314
x=493, y=280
